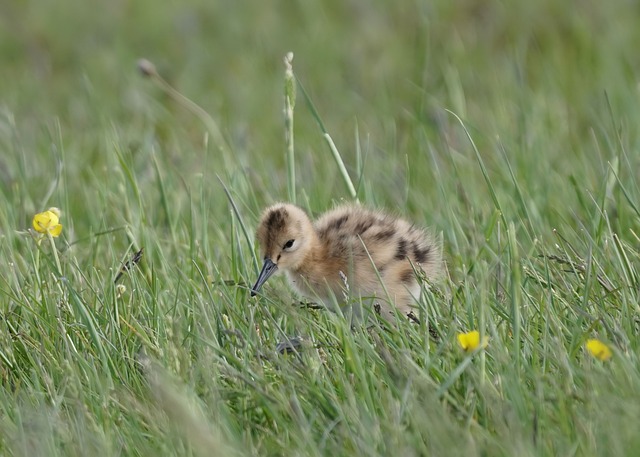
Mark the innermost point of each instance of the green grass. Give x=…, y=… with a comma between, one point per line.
x=509, y=129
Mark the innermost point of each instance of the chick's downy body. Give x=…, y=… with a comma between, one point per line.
x=348, y=251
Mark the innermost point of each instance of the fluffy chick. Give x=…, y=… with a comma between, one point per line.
x=348, y=251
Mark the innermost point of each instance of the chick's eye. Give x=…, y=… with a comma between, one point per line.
x=288, y=244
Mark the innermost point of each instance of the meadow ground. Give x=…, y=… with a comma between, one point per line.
x=509, y=128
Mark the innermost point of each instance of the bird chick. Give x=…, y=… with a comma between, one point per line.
x=349, y=251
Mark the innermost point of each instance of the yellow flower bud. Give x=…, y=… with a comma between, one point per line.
x=48, y=222
x=598, y=349
x=470, y=341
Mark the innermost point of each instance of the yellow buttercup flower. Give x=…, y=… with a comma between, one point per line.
x=599, y=350
x=470, y=341
x=48, y=222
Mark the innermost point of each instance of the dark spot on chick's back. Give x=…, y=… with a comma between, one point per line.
x=336, y=247
x=384, y=235
x=342, y=240
x=421, y=254
x=363, y=226
x=401, y=253
x=406, y=277
x=337, y=223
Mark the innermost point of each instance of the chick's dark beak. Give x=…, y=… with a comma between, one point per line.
x=268, y=269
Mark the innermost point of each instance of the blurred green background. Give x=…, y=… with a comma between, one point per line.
x=534, y=79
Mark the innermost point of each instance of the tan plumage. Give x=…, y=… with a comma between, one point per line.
x=340, y=249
